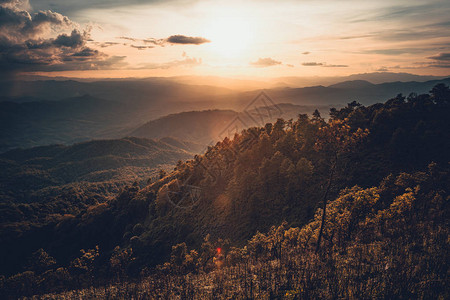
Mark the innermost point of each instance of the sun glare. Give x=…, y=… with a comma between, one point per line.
x=230, y=36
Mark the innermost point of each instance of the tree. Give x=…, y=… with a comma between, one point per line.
x=41, y=261
x=162, y=174
x=440, y=93
x=335, y=138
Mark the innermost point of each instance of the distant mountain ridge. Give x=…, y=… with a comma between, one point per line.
x=352, y=84
x=40, y=173
x=128, y=104
x=209, y=126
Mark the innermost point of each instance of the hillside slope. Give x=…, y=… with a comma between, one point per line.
x=260, y=178
x=97, y=167
x=210, y=126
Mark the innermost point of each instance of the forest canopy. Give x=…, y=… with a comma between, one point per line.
x=381, y=171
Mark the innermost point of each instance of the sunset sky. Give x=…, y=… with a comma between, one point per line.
x=118, y=38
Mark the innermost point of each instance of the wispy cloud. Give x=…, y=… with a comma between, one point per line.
x=141, y=47
x=312, y=64
x=320, y=64
x=173, y=39
x=186, y=40
x=441, y=57
x=265, y=62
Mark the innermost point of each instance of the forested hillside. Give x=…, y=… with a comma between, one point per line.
x=210, y=126
x=384, y=235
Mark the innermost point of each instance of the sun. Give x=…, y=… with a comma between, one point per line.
x=230, y=36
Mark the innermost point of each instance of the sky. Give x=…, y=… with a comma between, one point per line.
x=144, y=38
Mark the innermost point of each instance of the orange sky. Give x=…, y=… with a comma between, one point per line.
x=251, y=38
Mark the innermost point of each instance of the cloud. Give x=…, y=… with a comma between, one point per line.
x=403, y=13
x=74, y=40
x=128, y=38
x=187, y=62
x=68, y=7
x=173, y=39
x=312, y=64
x=107, y=44
x=442, y=66
x=290, y=66
x=395, y=51
x=182, y=39
x=306, y=53
x=335, y=66
x=317, y=64
x=16, y=23
x=414, y=34
x=265, y=62
x=351, y=37
x=441, y=57
x=141, y=47
x=86, y=52
x=28, y=42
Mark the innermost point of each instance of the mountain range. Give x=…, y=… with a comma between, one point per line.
x=76, y=111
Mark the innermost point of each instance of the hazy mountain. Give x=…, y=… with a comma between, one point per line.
x=247, y=84
x=66, y=121
x=209, y=126
x=74, y=120
x=375, y=78
x=352, y=84
x=95, y=169
x=147, y=90
x=345, y=92
x=113, y=109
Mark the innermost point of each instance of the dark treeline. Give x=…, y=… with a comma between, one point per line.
x=385, y=235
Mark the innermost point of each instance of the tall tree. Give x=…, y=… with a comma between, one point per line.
x=335, y=138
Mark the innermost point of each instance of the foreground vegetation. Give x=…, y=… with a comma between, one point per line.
x=388, y=242
x=384, y=236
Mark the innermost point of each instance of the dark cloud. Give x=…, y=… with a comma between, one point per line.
x=444, y=66
x=382, y=69
x=306, y=53
x=68, y=7
x=21, y=24
x=26, y=43
x=182, y=39
x=74, y=40
x=174, y=39
x=86, y=52
x=442, y=60
x=441, y=57
x=265, y=62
